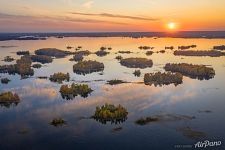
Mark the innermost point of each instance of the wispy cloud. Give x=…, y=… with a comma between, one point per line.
x=4, y=17
x=88, y=4
x=115, y=16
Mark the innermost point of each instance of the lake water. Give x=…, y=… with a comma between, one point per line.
x=41, y=100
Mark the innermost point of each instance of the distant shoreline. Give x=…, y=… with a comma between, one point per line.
x=181, y=34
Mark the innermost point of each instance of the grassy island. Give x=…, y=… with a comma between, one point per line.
x=221, y=47
x=8, y=98
x=8, y=59
x=53, y=52
x=5, y=80
x=37, y=66
x=169, y=47
x=163, y=78
x=115, y=82
x=211, y=53
x=22, y=67
x=145, y=47
x=136, y=62
x=194, y=71
x=41, y=59
x=110, y=113
x=144, y=121
x=119, y=57
x=137, y=73
x=23, y=53
x=59, y=77
x=124, y=52
x=69, y=92
x=148, y=53
x=101, y=53
x=58, y=122
x=85, y=67
x=186, y=47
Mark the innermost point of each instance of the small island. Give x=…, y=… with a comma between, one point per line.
x=53, y=52
x=110, y=113
x=115, y=82
x=147, y=120
x=211, y=53
x=124, y=52
x=149, y=53
x=5, y=80
x=37, y=66
x=8, y=98
x=137, y=73
x=169, y=47
x=101, y=53
x=186, y=47
x=220, y=47
x=79, y=56
x=22, y=67
x=23, y=53
x=86, y=67
x=58, y=122
x=136, y=62
x=70, y=92
x=160, y=79
x=194, y=71
x=119, y=57
x=60, y=77
x=41, y=59
x=145, y=47
x=8, y=59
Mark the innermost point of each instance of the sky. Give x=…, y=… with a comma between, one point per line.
x=111, y=15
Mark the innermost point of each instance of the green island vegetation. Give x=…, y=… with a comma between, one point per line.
x=119, y=57
x=86, y=67
x=137, y=73
x=162, y=51
x=22, y=67
x=192, y=134
x=101, y=53
x=148, y=53
x=8, y=98
x=211, y=53
x=115, y=82
x=194, y=71
x=160, y=79
x=42, y=77
x=5, y=80
x=8, y=59
x=58, y=122
x=109, y=48
x=136, y=62
x=69, y=47
x=23, y=53
x=60, y=77
x=53, y=52
x=41, y=59
x=37, y=66
x=169, y=47
x=186, y=47
x=145, y=47
x=70, y=92
x=110, y=113
x=220, y=47
x=146, y=120
x=79, y=56
x=125, y=52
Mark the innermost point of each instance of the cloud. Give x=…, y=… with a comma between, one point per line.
x=88, y=4
x=115, y=16
x=11, y=17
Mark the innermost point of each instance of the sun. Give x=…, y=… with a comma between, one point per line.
x=171, y=26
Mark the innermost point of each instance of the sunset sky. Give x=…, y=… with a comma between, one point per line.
x=110, y=15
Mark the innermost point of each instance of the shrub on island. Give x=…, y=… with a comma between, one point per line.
x=60, y=77
x=136, y=62
x=163, y=78
x=194, y=71
x=110, y=113
x=85, y=67
x=69, y=92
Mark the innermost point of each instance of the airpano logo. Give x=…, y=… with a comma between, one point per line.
x=207, y=143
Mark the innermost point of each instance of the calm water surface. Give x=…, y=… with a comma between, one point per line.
x=41, y=100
